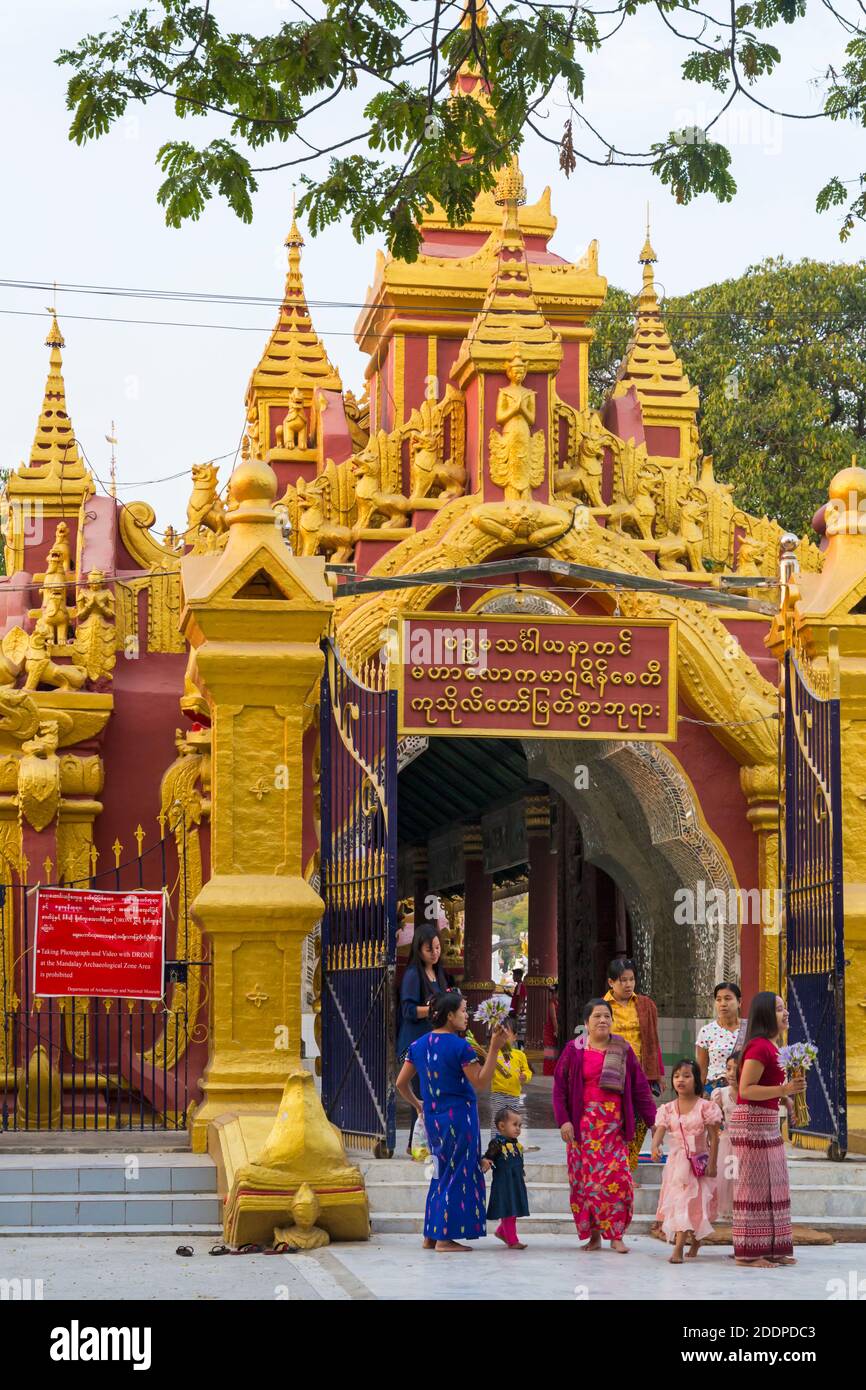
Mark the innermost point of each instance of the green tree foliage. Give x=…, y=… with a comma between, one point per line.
x=779, y=355
x=380, y=77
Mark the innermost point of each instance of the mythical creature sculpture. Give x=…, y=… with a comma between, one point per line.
x=521, y=522
x=205, y=508
x=638, y=516
x=39, y=775
x=55, y=612
x=583, y=477
x=41, y=670
x=751, y=553
x=430, y=475
x=61, y=545
x=312, y=531
x=376, y=469
x=293, y=433
x=516, y=454
x=94, y=628
x=358, y=419
x=693, y=512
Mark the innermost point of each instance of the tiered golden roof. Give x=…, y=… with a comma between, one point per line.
x=55, y=456
x=295, y=355
x=510, y=314
x=650, y=363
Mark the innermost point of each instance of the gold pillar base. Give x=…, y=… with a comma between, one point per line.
x=302, y=1147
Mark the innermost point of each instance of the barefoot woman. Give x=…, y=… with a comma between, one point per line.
x=762, y=1199
x=449, y=1074
x=597, y=1088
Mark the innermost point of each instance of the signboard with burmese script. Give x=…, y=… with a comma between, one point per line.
x=464, y=675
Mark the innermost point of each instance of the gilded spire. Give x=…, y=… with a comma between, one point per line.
x=510, y=314
x=650, y=363
x=295, y=355
x=55, y=454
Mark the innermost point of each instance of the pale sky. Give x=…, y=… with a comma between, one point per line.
x=89, y=216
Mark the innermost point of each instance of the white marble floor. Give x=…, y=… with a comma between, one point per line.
x=394, y=1267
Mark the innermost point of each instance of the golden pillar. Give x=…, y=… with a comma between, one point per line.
x=253, y=614
x=761, y=788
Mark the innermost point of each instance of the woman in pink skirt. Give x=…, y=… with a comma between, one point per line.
x=687, y=1204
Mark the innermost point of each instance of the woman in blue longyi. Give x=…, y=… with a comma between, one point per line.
x=449, y=1074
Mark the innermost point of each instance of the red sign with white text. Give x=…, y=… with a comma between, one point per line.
x=109, y=945
x=474, y=675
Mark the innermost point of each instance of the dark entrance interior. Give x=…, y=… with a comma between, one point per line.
x=472, y=824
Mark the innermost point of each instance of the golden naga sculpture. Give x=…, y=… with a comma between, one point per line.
x=516, y=454
x=55, y=611
x=42, y=670
x=94, y=629
x=205, y=508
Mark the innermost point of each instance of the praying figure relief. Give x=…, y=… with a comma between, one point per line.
x=516, y=454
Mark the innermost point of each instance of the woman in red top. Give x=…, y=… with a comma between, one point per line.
x=762, y=1198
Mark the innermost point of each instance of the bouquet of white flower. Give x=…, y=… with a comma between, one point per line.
x=797, y=1058
x=493, y=1011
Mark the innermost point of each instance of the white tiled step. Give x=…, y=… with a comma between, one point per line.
x=18, y=1232
x=39, y=1174
x=52, y=1209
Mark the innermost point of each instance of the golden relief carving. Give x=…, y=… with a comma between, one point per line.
x=378, y=498
x=516, y=453
x=39, y=776
x=183, y=804
x=95, y=627
x=42, y=670
x=431, y=474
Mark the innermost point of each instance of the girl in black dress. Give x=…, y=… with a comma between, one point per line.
x=504, y=1155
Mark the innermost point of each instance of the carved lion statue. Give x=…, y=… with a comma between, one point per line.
x=205, y=508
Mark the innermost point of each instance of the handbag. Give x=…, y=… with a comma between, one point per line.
x=697, y=1162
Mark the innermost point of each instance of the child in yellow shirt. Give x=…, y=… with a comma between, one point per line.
x=511, y=1073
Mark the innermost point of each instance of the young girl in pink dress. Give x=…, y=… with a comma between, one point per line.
x=726, y=1099
x=687, y=1204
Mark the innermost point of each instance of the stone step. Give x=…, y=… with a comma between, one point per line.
x=106, y=1174
x=22, y=1232
x=49, y=1211
x=801, y=1173
x=404, y=1223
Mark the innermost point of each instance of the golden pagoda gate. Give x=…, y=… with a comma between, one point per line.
x=85, y=1064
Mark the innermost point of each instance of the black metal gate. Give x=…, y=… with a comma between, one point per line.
x=815, y=961
x=359, y=889
x=103, y=1063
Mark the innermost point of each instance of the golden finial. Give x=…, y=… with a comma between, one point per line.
x=118, y=851
x=510, y=187
x=140, y=836
x=647, y=255
x=94, y=855
x=48, y=867
x=161, y=822
x=25, y=867
x=55, y=338
x=112, y=440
